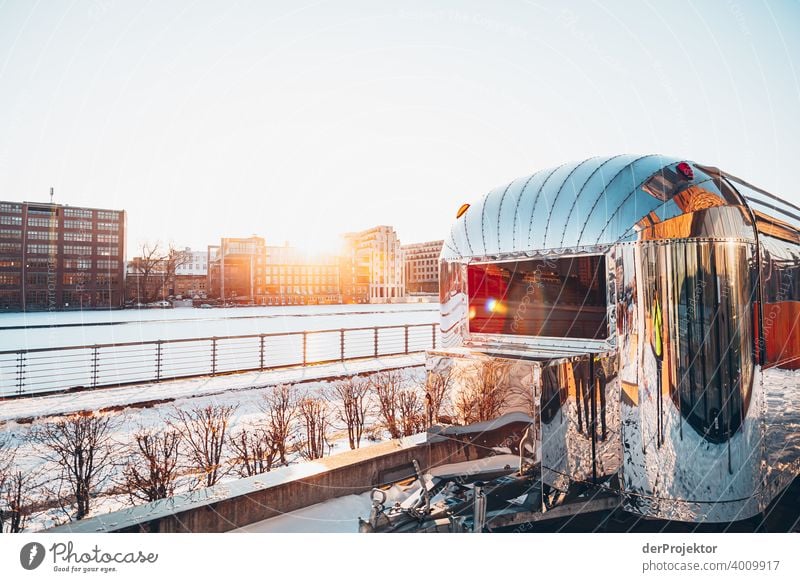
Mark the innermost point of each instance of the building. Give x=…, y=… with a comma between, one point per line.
x=191, y=276
x=236, y=269
x=292, y=277
x=421, y=265
x=371, y=266
x=54, y=256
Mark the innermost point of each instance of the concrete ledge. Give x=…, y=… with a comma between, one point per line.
x=238, y=503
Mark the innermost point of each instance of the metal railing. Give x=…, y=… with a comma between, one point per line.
x=42, y=370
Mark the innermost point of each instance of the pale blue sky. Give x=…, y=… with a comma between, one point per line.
x=299, y=120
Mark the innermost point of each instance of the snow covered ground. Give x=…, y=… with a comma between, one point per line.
x=101, y=398
x=339, y=515
x=244, y=391
x=69, y=328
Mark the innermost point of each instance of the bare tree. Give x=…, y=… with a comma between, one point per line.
x=314, y=417
x=254, y=450
x=203, y=434
x=350, y=399
x=153, y=271
x=80, y=446
x=485, y=392
x=14, y=489
x=387, y=386
x=280, y=406
x=152, y=466
x=16, y=501
x=437, y=392
x=7, y=454
x=412, y=411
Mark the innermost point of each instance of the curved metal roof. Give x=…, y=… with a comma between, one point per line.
x=579, y=205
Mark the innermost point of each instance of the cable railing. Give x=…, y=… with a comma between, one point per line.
x=43, y=370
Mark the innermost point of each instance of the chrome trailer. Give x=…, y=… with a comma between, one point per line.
x=644, y=312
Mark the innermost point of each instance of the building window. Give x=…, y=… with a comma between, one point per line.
x=78, y=236
x=78, y=224
x=77, y=250
x=11, y=220
x=107, y=251
x=9, y=279
x=75, y=278
x=10, y=207
x=42, y=235
x=42, y=249
x=81, y=264
x=107, y=226
x=108, y=238
x=107, y=264
x=106, y=215
x=10, y=233
x=78, y=212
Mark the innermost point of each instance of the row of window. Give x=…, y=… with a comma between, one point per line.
x=47, y=222
x=51, y=249
x=53, y=235
x=68, y=263
x=71, y=212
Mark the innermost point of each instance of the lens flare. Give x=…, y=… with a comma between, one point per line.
x=495, y=306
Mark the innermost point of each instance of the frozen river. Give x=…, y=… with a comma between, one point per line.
x=54, y=329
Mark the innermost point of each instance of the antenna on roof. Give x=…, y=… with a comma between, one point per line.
x=51, y=194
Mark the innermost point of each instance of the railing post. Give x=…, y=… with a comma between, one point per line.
x=406, y=342
x=158, y=360
x=261, y=352
x=376, y=342
x=433, y=336
x=95, y=350
x=305, y=346
x=20, y=371
x=213, y=356
x=341, y=344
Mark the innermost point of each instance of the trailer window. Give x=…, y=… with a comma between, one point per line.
x=564, y=298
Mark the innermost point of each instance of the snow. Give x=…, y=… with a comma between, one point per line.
x=244, y=391
x=339, y=515
x=101, y=398
x=485, y=464
x=53, y=329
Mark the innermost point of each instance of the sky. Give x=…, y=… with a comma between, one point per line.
x=298, y=121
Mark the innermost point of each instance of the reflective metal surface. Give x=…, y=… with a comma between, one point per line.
x=690, y=407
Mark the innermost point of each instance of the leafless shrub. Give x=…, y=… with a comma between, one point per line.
x=412, y=411
x=81, y=447
x=7, y=454
x=350, y=399
x=437, y=393
x=254, y=451
x=387, y=386
x=15, y=489
x=280, y=406
x=151, y=469
x=203, y=434
x=314, y=418
x=16, y=501
x=484, y=393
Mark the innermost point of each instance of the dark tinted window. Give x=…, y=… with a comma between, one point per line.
x=554, y=298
